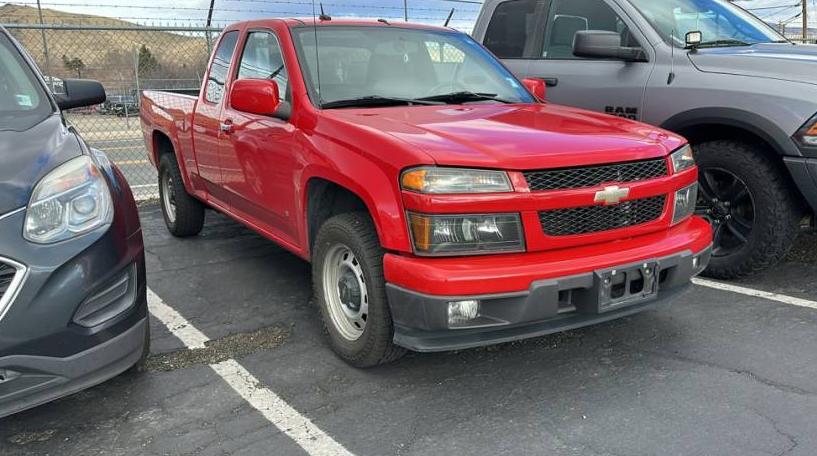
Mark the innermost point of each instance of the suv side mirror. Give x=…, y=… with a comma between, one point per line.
x=536, y=87
x=604, y=44
x=255, y=96
x=80, y=93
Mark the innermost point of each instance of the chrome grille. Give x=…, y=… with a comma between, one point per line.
x=595, y=219
x=11, y=279
x=591, y=176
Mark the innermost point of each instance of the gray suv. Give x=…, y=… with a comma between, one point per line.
x=740, y=92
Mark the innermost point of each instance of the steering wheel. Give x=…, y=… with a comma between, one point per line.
x=455, y=87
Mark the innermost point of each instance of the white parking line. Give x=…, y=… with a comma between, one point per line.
x=791, y=300
x=298, y=427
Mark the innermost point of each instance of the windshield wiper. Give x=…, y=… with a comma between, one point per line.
x=465, y=96
x=375, y=100
x=723, y=43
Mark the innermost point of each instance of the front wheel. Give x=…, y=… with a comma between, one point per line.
x=347, y=271
x=746, y=198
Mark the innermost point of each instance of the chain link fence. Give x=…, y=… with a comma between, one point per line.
x=126, y=60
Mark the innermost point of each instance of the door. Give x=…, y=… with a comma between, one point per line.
x=206, y=128
x=258, y=152
x=607, y=85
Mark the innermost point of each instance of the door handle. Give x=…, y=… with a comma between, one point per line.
x=551, y=82
x=226, y=126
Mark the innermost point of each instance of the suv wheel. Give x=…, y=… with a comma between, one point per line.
x=347, y=271
x=183, y=214
x=746, y=198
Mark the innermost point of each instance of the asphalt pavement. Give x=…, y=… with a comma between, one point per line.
x=717, y=373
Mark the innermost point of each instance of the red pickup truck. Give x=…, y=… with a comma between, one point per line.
x=442, y=203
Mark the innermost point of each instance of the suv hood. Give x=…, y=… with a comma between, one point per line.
x=514, y=137
x=772, y=60
x=27, y=156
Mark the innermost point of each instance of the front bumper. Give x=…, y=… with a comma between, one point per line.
x=804, y=173
x=79, y=316
x=548, y=302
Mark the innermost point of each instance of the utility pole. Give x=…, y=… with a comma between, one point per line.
x=45, y=49
x=805, y=20
x=405, y=9
x=209, y=21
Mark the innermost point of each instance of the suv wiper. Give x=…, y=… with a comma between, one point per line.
x=718, y=43
x=465, y=96
x=375, y=100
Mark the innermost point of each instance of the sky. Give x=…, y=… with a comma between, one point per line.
x=194, y=12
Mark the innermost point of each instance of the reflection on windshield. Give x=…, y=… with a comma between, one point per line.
x=23, y=102
x=722, y=23
x=380, y=66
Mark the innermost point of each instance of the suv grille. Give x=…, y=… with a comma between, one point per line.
x=594, y=219
x=565, y=178
x=7, y=273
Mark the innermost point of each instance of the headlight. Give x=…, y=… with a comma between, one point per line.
x=682, y=159
x=466, y=234
x=808, y=134
x=70, y=201
x=685, y=200
x=430, y=179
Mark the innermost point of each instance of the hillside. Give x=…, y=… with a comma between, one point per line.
x=111, y=56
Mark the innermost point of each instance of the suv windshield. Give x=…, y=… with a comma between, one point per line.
x=23, y=102
x=387, y=66
x=722, y=23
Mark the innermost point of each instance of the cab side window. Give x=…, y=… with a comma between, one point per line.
x=511, y=30
x=214, y=90
x=262, y=59
x=566, y=17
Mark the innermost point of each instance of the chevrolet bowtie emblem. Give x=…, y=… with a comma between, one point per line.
x=612, y=195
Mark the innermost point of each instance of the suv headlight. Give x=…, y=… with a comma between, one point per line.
x=479, y=234
x=807, y=136
x=430, y=179
x=70, y=201
x=682, y=159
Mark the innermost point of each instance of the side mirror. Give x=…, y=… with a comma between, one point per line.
x=605, y=45
x=694, y=39
x=255, y=96
x=536, y=87
x=80, y=93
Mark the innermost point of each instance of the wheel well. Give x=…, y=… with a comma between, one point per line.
x=161, y=145
x=326, y=199
x=697, y=134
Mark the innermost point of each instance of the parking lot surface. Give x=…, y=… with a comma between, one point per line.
x=717, y=373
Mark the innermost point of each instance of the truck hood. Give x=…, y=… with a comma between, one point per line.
x=769, y=60
x=514, y=137
x=27, y=156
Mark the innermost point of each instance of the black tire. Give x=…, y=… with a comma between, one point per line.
x=186, y=218
x=775, y=212
x=356, y=232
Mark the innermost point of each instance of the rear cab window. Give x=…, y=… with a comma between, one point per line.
x=220, y=68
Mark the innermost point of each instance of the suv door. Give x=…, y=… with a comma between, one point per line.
x=258, y=153
x=607, y=85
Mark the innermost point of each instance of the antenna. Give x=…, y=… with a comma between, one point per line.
x=671, y=76
x=317, y=54
x=448, y=19
x=324, y=16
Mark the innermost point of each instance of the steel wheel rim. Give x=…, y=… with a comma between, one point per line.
x=169, y=198
x=345, y=293
x=726, y=202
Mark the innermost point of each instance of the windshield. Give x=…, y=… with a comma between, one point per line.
x=398, y=65
x=23, y=102
x=722, y=23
